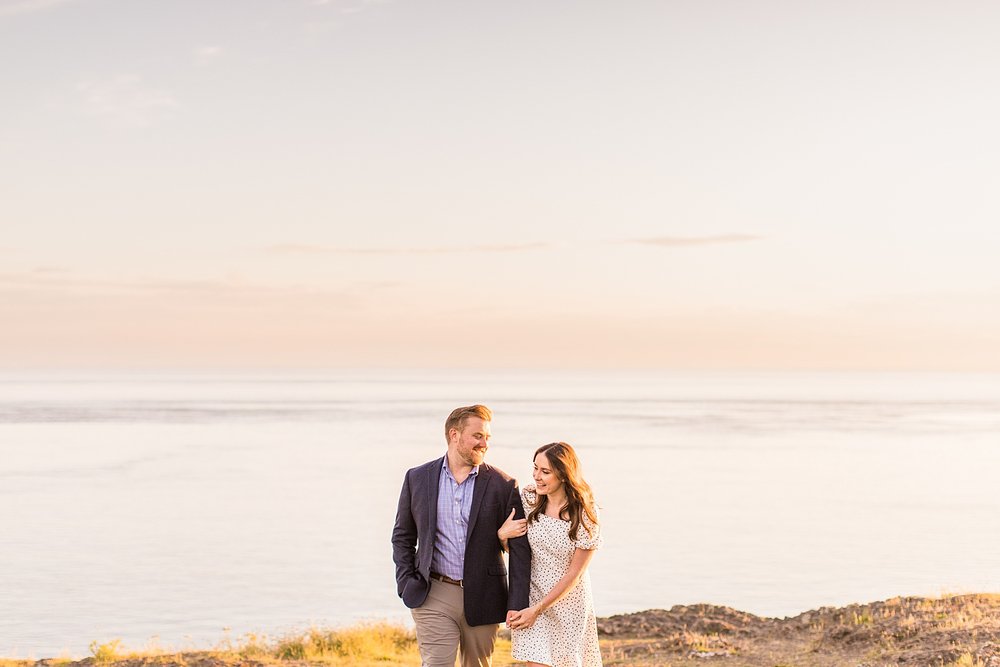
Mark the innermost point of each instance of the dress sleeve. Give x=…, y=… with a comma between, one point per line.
x=529, y=498
x=588, y=535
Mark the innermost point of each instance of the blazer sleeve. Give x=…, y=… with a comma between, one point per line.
x=404, y=538
x=519, y=560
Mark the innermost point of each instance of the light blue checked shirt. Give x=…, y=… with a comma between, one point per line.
x=453, y=509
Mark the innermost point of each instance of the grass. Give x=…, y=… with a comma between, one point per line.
x=862, y=619
x=107, y=652
x=379, y=642
x=367, y=645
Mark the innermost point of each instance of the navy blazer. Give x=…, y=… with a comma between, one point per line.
x=485, y=577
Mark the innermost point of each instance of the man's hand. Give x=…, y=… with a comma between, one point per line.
x=512, y=614
x=523, y=619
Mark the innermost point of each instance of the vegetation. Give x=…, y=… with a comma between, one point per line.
x=950, y=631
x=376, y=643
x=967, y=660
x=108, y=652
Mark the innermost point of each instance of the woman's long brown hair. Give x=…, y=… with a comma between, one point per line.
x=579, y=498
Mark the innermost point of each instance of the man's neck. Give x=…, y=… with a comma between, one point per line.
x=459, y=468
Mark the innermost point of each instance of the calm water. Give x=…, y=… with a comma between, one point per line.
x=191, y=508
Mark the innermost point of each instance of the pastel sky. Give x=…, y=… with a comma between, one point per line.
x=323, y=183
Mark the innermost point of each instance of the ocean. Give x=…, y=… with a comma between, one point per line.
x=185, y=509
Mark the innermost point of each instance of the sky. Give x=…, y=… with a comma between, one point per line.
x=545, y=184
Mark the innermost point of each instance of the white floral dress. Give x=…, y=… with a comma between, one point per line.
x=565, y=634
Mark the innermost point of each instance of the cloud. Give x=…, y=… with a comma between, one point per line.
x=61, y=279
x=663, y=241
x=127, y=99
x=351, y=7
x=676, y=241
x=205, y=53
x=13, y=7
x=319, y=28
x=39, y=277
x=361, y=6
x=56, y=285
x=306, y=249
x=346, y=9
x=50, y=271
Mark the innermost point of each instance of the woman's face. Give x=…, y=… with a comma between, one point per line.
x=545, y=477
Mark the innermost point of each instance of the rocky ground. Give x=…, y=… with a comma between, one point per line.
x=963, y=631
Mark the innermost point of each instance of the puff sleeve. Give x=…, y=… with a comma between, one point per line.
x=588, y=535
x=529, y=497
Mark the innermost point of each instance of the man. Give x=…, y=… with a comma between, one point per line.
x=449, y=561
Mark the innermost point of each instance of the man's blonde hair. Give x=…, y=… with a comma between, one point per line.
x=458, y=417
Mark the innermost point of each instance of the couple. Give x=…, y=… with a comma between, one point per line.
x=456, y=516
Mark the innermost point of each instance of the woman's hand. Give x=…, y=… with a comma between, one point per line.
x=512, y=528
x=524, y=619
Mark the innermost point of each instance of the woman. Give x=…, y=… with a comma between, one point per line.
x=559, y=628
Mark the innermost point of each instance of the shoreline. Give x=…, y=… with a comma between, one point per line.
x=948, y=631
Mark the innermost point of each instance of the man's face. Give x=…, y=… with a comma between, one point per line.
x=472, y=442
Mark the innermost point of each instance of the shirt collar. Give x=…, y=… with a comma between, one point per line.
x=447, y=470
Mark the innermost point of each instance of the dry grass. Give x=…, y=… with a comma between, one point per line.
x=967, y=660
x=380, y=643
x=368, y=645
x=957, y=631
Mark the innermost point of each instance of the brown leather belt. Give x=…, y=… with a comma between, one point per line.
x=447, y=580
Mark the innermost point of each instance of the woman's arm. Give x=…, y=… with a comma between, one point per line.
x=577, y=566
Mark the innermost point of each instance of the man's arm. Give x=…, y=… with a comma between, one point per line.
x=404, y=538
x=519, y=562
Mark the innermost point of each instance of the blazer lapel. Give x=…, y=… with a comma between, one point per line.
x=433, y=484
x=482, y=481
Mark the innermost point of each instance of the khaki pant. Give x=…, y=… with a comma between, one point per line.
x=442, y=630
